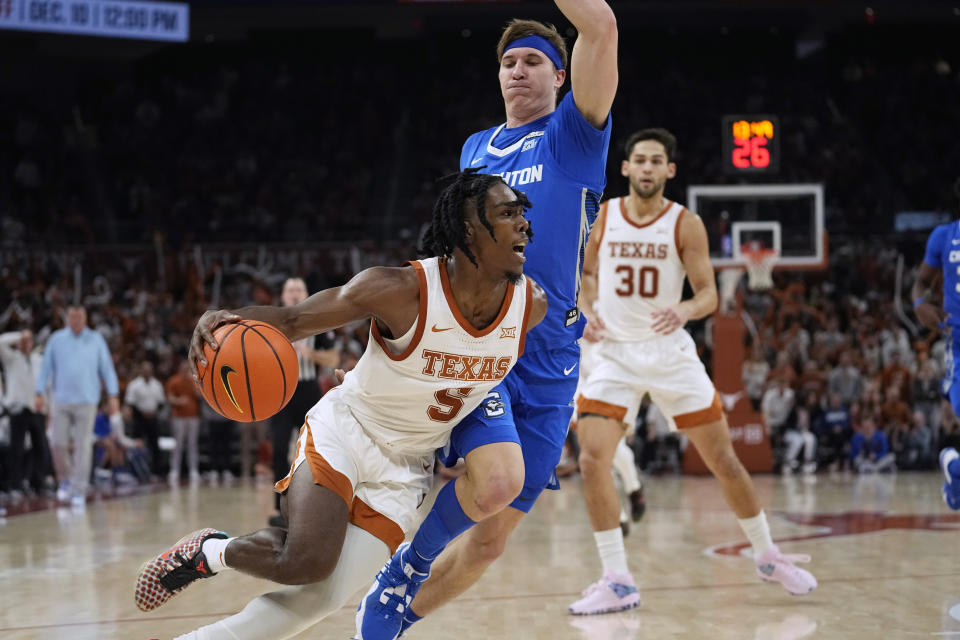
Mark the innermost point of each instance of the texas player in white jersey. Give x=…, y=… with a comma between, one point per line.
x=640, y=250
x=444, y=331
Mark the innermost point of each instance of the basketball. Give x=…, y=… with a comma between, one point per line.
x=253, y=373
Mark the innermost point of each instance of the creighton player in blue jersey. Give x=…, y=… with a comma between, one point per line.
x=943, y=257
x=556, y=154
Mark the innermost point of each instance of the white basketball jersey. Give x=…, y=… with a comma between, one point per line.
x=409, y=393
x=638, y=269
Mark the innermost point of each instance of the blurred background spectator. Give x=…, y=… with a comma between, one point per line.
x=29, y=461
x=144, y=398
x=75, y=361
x=184, y=400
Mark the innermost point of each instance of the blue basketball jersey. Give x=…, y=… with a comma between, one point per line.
x=559, y=162
x=943, y=252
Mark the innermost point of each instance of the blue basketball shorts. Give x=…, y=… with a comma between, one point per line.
x=532, y=407
x=950, y=385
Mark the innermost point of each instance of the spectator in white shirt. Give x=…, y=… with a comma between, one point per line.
x=799, y=436
x=20, y=367
x=145, y=396
x=754, y=373
x=776, y=406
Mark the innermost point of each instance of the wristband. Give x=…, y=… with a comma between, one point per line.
x=918, y=302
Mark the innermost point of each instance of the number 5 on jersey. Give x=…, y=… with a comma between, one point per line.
x=450, y=403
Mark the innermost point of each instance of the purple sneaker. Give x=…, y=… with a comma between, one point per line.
x=612, y=592
x=774, y=566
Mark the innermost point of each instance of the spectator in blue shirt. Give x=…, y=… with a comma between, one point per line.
x=75, y=361
x=870, y=449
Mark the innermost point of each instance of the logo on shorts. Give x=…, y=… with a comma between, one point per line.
x=566, y=371
x=225, y=372
x=493, y=406
x=730, y=400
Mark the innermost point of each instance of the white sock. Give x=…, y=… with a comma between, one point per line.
x=215, y=550
x=612, y=553
x=758, y=533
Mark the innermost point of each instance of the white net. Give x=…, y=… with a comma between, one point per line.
x=729, y=279
x=760, y=264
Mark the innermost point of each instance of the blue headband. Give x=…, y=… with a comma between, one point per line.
x=542, y=45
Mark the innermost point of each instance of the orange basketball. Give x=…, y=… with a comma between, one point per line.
x=253, y=373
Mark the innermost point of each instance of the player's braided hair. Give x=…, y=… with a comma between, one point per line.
x=447, y=231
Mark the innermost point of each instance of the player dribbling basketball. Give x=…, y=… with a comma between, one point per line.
x=445, y=330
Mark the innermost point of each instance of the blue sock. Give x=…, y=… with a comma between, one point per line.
x=954, y=468
x=409, y=617
x=445, y=522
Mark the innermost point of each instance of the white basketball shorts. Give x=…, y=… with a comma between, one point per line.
x=382, y=489
x=667, y=367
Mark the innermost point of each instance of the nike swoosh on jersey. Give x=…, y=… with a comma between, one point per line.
x=566, y=372
x=476, y=160
x=438, y=329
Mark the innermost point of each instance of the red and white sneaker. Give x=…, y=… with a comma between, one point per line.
x=169, y=573
x=612, y=592
x=774, y=566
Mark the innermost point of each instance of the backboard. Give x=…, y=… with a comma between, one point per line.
x=786, y=217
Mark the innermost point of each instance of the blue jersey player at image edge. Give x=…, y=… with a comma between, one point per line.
x=943, y=257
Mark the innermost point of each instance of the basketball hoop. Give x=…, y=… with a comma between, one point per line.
x=760, y=262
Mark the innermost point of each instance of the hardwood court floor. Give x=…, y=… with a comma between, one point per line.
x=885, y=550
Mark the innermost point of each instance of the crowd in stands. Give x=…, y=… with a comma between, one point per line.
x=146, y=322
x=839, y=379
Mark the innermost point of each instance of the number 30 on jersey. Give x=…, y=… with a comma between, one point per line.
x=642, y=280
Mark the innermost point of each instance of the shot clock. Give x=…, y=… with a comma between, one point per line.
x=751, y=144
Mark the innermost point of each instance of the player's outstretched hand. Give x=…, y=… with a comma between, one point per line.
x=203, y=332
x=668, y=320
x=594, y=330
x=929, y=315
x=339, y=374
